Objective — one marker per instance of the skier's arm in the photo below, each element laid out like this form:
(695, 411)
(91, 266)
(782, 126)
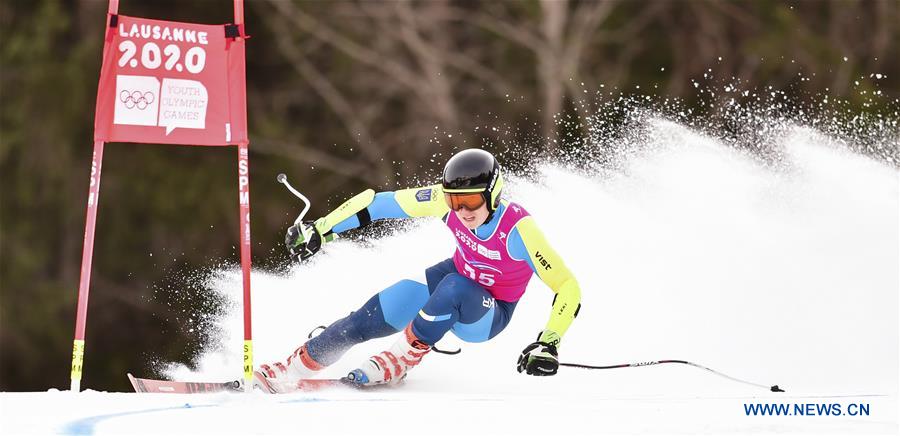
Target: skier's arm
(527, 242)
(369, 206)
(362, 209)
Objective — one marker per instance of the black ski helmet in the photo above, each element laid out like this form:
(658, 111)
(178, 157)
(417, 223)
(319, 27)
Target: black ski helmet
(474, 170)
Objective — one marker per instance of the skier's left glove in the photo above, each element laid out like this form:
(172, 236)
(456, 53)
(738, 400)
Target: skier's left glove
(540, 357)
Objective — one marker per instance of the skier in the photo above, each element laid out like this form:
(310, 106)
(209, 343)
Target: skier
(473, 294)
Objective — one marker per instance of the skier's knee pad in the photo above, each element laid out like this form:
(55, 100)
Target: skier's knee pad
(401, 302)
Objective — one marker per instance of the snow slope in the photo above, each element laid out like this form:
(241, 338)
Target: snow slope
(692, 250)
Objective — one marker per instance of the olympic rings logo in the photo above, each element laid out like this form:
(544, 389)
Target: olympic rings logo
(138, 99)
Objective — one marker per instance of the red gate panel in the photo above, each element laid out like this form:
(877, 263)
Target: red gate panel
(166, 82)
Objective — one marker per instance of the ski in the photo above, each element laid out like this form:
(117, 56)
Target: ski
(145, 385)
(307, 385)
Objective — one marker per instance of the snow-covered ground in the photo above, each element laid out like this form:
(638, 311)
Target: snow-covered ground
(523, 408)
(693, 251)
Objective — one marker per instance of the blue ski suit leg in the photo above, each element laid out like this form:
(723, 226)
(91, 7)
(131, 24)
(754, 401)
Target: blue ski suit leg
(449, 302)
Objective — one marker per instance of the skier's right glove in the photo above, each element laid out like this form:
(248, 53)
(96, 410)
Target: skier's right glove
(299, 245)
(540, 357)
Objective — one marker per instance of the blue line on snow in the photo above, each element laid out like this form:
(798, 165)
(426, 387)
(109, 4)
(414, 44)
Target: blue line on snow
(85, 426)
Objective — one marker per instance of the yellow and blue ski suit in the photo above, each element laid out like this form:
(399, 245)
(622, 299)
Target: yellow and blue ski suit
(466, 294)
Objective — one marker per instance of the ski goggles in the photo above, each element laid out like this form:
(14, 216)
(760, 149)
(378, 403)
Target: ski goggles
(468, 200)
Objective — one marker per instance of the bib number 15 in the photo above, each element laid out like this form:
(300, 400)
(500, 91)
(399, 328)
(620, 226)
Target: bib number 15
(482, 278)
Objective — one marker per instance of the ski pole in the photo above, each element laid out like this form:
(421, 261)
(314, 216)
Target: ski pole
(281, 178)
(773, 388)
